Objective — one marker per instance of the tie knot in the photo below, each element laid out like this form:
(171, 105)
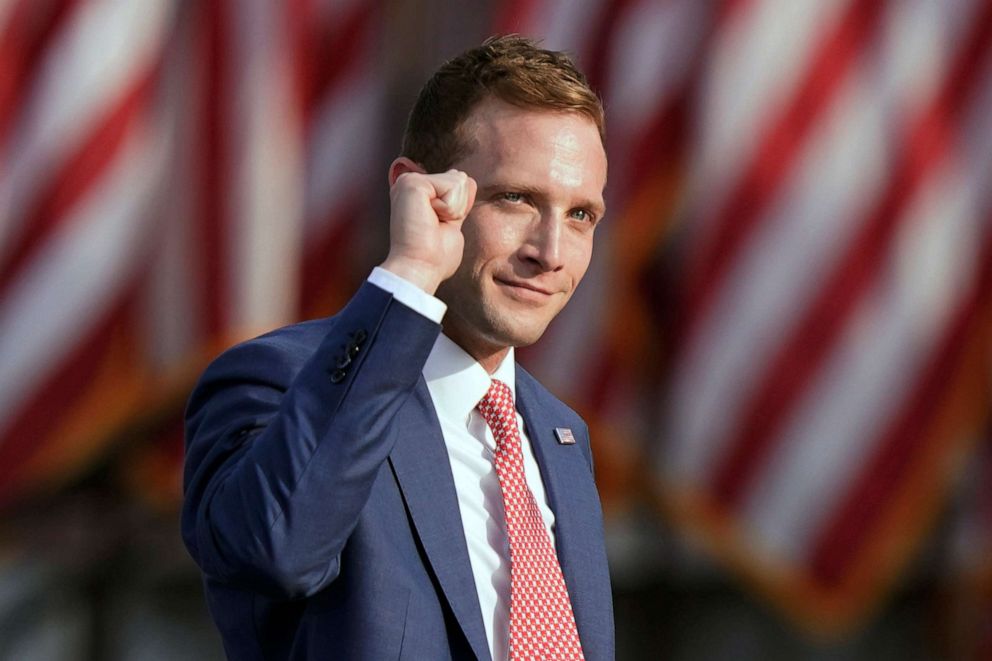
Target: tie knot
(497, 405)
(498, 392)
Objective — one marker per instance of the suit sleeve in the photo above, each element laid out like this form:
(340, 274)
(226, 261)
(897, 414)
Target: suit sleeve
(284, 442)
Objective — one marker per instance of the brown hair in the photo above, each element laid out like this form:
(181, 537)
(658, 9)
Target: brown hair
(512, 69)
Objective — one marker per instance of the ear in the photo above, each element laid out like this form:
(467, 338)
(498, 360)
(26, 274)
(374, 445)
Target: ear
(403, 165)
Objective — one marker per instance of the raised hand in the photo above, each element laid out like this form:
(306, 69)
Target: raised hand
(425, 223)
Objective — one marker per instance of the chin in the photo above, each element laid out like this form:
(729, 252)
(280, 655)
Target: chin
(512, 334)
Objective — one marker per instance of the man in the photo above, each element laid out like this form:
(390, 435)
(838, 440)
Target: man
(366, 487)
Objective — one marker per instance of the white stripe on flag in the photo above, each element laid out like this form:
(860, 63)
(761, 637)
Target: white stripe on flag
(565, 24)
(267, 185)
(342, 163)
(173, 322)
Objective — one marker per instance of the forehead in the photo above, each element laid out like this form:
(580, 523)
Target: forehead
(498, 134)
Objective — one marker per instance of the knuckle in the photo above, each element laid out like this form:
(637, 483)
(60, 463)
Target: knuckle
(410, 179)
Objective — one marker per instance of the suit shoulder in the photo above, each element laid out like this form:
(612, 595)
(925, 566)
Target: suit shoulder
(291, 345)
(303, 337)
(548, 399)
(271, 360)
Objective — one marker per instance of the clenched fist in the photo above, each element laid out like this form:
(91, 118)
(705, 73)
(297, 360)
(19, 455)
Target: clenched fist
(425, 223)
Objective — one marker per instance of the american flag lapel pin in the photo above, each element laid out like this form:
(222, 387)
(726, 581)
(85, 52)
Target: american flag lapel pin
(564, 436)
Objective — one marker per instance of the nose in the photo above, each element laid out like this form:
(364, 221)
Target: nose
(543, 244)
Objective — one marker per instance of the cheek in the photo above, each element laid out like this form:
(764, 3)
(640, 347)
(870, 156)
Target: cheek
(490, 238)
(507, 236)
(578, 257)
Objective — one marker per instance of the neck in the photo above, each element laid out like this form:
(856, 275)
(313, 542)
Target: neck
(492, 361)
(488, 355)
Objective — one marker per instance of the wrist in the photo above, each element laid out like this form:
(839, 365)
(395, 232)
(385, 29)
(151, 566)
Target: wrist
(416, 272)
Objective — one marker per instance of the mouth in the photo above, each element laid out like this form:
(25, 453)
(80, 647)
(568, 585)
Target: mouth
(525, 290)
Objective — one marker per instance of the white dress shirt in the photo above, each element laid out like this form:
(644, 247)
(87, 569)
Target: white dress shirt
(457, 382)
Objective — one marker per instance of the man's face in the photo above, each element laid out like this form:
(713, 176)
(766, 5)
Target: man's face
(529, 237)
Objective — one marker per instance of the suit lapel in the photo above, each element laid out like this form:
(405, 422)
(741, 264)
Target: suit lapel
(573, 498)
(420, 463)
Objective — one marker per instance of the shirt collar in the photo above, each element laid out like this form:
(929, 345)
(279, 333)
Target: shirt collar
(457, 381)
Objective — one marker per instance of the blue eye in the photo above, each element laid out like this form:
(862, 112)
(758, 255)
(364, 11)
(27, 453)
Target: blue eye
(582, 214)
(512, 197)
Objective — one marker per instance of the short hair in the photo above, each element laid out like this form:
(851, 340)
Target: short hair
(510, 68)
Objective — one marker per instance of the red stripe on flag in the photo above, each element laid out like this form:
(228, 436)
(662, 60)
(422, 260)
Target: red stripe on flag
(336, 48)
(597, 55)
(776, 157)
(327, 260)
(822, 325)
(728, 10)
(79, 173)
(300, 19)
(662, 142)
(517, 16)
(845, 536)
(23, 42)
(217, 95)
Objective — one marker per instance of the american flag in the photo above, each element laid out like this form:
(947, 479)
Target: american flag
(174, 176)
(83, 153)
(822, 274)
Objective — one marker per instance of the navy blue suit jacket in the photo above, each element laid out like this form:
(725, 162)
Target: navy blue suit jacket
(320, 506)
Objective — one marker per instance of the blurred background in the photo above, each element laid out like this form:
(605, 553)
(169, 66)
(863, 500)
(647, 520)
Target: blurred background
(783, 345)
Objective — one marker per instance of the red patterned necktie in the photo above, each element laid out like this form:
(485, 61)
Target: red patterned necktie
(542, 625)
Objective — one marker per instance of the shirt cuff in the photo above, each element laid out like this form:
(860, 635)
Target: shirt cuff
(409, 294)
